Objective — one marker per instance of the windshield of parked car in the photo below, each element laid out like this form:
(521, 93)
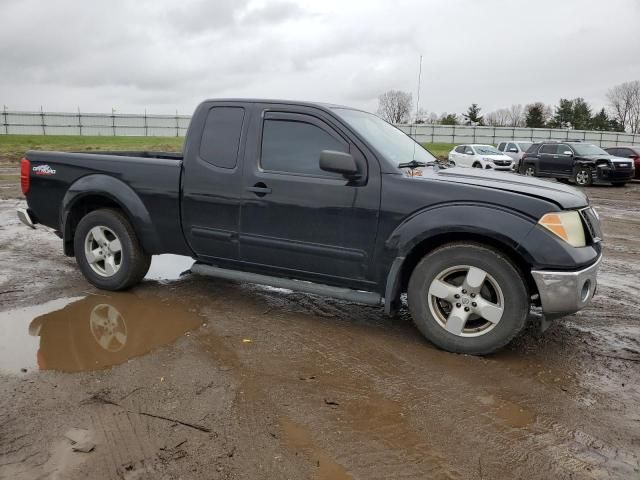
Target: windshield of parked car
(524, 145)
(393, 144)
(587, 149)
(486, 150)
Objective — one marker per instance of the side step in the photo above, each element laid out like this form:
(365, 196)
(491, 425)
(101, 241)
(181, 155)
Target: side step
(358, 296)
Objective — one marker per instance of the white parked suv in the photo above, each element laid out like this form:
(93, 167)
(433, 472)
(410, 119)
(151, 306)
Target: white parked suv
(514, 149)
(480, 156)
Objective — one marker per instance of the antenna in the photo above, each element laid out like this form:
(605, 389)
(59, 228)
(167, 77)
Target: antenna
(418, 92)
(415, 124)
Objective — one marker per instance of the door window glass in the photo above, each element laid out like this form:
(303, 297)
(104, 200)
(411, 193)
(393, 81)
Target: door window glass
(510, 146)
(562, 148)
(294, 147)
(501, 146)
(460, 149)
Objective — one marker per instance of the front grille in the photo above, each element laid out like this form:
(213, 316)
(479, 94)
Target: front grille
(502, 163)
(590, 219)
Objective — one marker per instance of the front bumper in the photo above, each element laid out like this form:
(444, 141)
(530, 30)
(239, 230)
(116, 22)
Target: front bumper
(608, 174)
(563, 293)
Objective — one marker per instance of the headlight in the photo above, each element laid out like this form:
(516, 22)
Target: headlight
(566, 225)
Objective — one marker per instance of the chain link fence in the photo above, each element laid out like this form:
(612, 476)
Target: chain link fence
(118, 124)
(493, 135)
(92, 124)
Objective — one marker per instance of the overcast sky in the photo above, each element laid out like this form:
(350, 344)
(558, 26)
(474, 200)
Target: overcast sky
(168, 55)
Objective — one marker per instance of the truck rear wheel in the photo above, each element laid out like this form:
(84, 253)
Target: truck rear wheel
(108, 251)
(468, 298)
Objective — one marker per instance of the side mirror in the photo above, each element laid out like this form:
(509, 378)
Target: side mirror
(338, 162)
(567, 152)
(513, 150)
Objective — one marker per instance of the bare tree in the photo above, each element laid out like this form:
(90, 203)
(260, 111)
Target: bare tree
(624, 104)
(499, 118)
(395, 106)
(515, 115)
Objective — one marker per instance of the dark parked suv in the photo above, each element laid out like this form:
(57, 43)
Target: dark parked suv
(630, 151)
(583, 163)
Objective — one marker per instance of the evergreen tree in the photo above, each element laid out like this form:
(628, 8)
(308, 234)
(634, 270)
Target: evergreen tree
(563, 117)
(449, 119)
(473, 115)
(581, 115)
(535, 115)
(601, 121)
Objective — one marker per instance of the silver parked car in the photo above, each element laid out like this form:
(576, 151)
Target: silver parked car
(514, 149)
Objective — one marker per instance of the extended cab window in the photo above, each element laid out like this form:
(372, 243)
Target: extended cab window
(294, 147)
(221, 136)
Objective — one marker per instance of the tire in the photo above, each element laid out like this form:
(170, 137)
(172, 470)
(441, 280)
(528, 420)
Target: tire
(583, 177)
(97, 254)
(503, 288)
(529, 170)
(619, 184)
(477, 165)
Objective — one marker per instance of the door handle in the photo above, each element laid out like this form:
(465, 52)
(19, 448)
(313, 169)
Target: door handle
(260, 189)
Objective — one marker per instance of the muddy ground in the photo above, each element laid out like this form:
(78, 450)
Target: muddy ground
(189, 377)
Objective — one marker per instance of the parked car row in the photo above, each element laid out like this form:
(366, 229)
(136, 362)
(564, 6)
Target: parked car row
(576, 161)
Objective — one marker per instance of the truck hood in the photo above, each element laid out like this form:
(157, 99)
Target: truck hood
(564, 195)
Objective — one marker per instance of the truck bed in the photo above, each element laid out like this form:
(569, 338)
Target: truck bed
(151, 177)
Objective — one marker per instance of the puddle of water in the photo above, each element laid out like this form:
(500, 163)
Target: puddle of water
(168, 267)
(514, 415)
(90, 333)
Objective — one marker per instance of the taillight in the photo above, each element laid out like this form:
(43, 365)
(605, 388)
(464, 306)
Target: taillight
(25, 170)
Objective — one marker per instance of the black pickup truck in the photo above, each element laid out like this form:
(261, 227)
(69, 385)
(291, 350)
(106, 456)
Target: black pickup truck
(582, 163)
(328, 200)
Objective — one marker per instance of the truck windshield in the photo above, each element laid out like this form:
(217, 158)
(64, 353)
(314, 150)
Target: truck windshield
(394, 145)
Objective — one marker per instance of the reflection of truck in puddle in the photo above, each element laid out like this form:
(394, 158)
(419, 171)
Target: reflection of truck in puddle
(100, 331)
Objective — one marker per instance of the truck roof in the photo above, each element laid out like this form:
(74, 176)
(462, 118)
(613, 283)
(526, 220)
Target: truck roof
(323, 105)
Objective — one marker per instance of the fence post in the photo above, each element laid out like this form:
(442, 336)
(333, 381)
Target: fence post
(474, 134)
(433, 131)
(177, 125)
(44, 130)
(146, 128)
(113, 120)
(6, 121)
(79, 121)
(453, 135)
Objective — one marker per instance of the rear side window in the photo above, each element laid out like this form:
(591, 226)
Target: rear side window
(294, 147)
(460, 149)
(221, 136)
(501, 147)
(549, 148)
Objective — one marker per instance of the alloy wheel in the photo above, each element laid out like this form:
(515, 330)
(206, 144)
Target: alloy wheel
(466, 301)
(103, 251)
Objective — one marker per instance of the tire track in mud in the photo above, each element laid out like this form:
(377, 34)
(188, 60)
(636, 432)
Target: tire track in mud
(572, 451)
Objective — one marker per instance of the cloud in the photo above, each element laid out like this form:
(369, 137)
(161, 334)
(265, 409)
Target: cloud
(165, 55)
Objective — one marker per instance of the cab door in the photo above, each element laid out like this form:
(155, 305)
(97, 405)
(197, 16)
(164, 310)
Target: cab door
(212, 180)
(296, 217)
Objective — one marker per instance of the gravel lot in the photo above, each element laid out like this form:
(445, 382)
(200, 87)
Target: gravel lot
(189, 377)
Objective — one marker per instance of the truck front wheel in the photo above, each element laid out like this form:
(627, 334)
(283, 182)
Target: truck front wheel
(108, 251)
(468, 298)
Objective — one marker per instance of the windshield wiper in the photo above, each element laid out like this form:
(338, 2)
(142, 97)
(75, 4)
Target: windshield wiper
(415, 164)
